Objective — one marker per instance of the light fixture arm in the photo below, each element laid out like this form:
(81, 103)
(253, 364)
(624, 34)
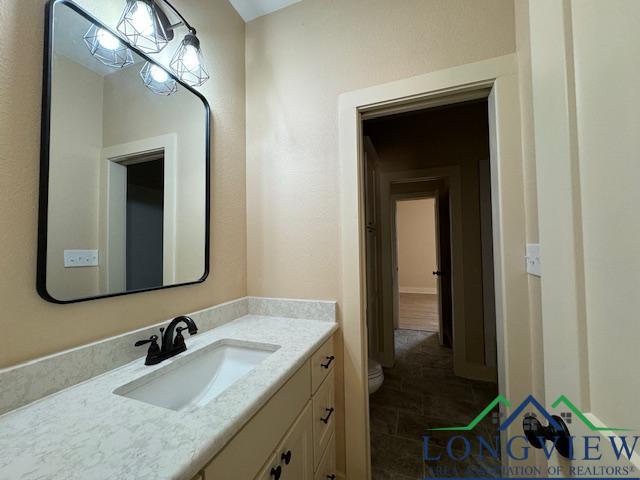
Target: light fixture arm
(182, 22)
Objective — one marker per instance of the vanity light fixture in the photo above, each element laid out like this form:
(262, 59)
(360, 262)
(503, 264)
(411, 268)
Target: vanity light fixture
(158, 80)
(188, 64)
(107, 48)
(145, 24)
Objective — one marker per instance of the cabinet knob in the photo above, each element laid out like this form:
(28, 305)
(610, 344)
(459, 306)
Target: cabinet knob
(286, 457)
(276, 472)
(331, 477)
(326, 418)
(329, 360)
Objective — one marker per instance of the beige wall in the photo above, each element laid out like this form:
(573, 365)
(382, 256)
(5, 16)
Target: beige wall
(605, 40)
(76, 146)
(39, 327)
(416, 237)
(299, 60)
(584, 108)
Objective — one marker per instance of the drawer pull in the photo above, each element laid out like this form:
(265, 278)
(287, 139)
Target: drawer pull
(286, 457)
(332, 476)
(276, 472)
(326, 419)
(330, 359)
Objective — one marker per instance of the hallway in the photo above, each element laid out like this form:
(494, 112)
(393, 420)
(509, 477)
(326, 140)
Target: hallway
(421, 392)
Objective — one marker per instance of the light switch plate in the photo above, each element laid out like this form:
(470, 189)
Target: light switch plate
(80, 258)
(534, 266)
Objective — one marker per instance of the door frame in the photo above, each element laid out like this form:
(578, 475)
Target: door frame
(498, 76)
(113, 174)
(388, 245)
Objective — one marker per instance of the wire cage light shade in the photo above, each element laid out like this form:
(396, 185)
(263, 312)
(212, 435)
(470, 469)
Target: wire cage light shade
(188, 63)
(158, 80)
(107, 48)
(140, 23)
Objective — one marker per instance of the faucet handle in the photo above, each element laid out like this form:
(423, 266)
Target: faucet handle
(153, 340)
(178, 342)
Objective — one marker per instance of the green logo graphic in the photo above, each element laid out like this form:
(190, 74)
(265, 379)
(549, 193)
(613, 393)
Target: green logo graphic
(531, 401)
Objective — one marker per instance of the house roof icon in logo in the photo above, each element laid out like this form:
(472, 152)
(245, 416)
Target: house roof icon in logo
(529, 401)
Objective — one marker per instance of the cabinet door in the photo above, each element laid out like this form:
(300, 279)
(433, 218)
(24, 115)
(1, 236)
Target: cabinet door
(293, 459)
(296, 450)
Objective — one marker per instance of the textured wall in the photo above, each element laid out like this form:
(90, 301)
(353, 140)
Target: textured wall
(34, 327)
(299, 60)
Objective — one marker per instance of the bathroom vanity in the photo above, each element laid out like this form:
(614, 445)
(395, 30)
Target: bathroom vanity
(251, 398)
(292, 436)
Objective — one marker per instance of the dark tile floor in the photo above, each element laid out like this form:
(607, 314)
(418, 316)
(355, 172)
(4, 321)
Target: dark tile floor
(418, 393)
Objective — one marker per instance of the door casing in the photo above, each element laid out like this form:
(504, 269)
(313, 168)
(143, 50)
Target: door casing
(496, 79)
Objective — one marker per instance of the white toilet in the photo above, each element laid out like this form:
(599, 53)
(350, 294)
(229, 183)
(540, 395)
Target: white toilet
(376, 376)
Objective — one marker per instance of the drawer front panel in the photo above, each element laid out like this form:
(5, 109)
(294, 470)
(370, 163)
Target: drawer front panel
(327, 468)
(324, 414)
(322, 363)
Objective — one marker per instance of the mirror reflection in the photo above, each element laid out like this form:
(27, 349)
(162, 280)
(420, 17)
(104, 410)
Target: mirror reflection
(127, 199)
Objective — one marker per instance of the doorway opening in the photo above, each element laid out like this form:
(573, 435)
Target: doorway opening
(144, 224)
(430, 300)
(416, 265)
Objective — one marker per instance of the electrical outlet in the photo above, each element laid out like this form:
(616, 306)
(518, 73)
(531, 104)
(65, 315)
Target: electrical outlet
(534, 266)
(80, 258)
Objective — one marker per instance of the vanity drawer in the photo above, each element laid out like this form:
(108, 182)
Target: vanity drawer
(322, 363)
(327, 468)
(324, 414)
(243, 456)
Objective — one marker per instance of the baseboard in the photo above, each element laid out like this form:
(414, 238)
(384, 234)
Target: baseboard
(423, 290)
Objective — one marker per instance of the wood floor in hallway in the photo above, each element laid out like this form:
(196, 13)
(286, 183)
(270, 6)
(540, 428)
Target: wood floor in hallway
(418, 311)
(421, 392)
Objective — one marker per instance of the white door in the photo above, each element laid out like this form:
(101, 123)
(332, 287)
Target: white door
(585, 74)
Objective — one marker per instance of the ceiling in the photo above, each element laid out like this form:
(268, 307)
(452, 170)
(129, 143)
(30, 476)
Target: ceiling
(252, 9)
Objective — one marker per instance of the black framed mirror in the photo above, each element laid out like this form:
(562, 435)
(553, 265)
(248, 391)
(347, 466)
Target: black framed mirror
(125, 167)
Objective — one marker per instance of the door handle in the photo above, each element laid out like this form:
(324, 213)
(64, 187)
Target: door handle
(537, 434)
(437, 273)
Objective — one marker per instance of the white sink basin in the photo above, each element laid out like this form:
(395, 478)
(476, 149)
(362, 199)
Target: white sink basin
(194, 379)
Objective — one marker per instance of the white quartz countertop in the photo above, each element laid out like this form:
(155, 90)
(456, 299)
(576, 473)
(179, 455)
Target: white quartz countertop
(88, 432)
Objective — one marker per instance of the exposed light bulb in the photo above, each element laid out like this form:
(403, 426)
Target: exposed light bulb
(107, 40)
(158, 74)
(142, 18)
(191, 59)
